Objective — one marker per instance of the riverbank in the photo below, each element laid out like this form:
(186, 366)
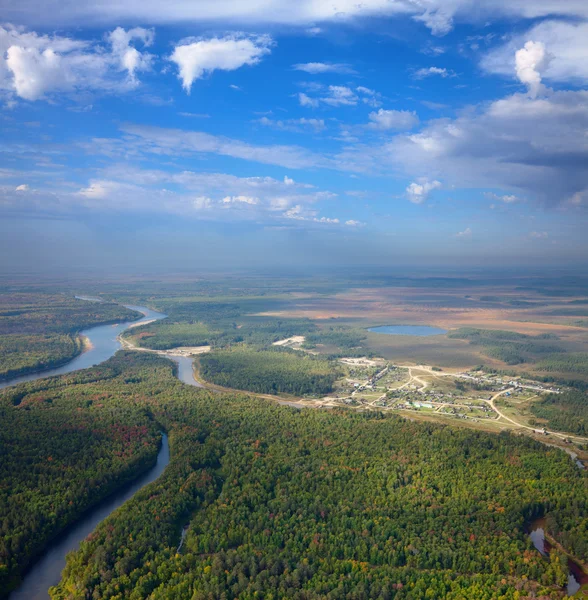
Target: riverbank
(46, 571)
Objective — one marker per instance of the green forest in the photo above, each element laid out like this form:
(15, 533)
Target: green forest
(269, 371)
(510, 347)
(39, 331)
(279, 502)
(564, 412)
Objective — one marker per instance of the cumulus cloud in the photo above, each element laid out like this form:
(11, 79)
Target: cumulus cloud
(130, 59)
(34, 66)
(438, 21)
(340, 95)
(240, 200)
(530, 61)
(431, 71)
(537, 146)
(196, 58)
(316, 68)
(393, 119)
(23, 187)
(565, 42)
(418, 191)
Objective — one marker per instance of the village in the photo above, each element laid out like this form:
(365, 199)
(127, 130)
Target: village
(373, 383)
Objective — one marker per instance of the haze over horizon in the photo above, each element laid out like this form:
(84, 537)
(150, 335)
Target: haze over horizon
(228, 134)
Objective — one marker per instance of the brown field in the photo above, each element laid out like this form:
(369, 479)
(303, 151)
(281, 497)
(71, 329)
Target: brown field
(525, 312)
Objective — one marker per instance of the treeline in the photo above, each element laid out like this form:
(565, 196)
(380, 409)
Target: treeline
(281, 502)
(564, 412)
(509, 347)
(163, 335)
(269, 371)
(40, 331)
(572, 362)
(228, 321)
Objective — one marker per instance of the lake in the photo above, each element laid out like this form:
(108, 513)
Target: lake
(418, 330)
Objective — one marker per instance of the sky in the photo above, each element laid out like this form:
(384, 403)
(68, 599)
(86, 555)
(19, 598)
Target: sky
(143, 135)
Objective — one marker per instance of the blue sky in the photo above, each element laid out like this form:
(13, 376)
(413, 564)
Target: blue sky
(269, 132)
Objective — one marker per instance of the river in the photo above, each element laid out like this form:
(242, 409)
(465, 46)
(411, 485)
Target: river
(104, 343)
(576, 576)
(46, 572)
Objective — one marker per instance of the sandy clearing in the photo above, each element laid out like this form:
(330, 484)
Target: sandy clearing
(295, 339)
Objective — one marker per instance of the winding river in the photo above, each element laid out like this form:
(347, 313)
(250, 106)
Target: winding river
(103, 343)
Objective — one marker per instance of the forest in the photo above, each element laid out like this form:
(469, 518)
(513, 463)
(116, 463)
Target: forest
(269, 371)
(279, 502)
(564, 412)
(39, 330)
(509, 347)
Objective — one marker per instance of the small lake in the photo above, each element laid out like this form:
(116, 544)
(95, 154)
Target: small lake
(417, 330)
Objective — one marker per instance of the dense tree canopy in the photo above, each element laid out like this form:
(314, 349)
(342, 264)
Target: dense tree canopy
(39, 331)
(269, 372)
(282, 502)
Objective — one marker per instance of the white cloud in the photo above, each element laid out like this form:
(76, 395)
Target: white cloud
(141, 140)
(393, 119)
(429, 71)
(315, 68)
(298, 213)
(296, 125)
(339, 95)
(198, 57)
(130, 59)
(530, 61)
(307, 101)
(122, 188)
(23, 187)
(437, 15)
(465, 234)
(34, 66)
(418, 192)
(535, 146)
(240, 200)
(506, 198)
(353, 223)
(566, 44)
(438, 21)
(539, 235)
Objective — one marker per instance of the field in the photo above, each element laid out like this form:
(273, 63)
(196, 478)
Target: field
(402, 422)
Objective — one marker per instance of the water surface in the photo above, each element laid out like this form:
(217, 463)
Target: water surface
(576, 577)
(418, 330)
(103, 344)
(186, 370)
(46, 572)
